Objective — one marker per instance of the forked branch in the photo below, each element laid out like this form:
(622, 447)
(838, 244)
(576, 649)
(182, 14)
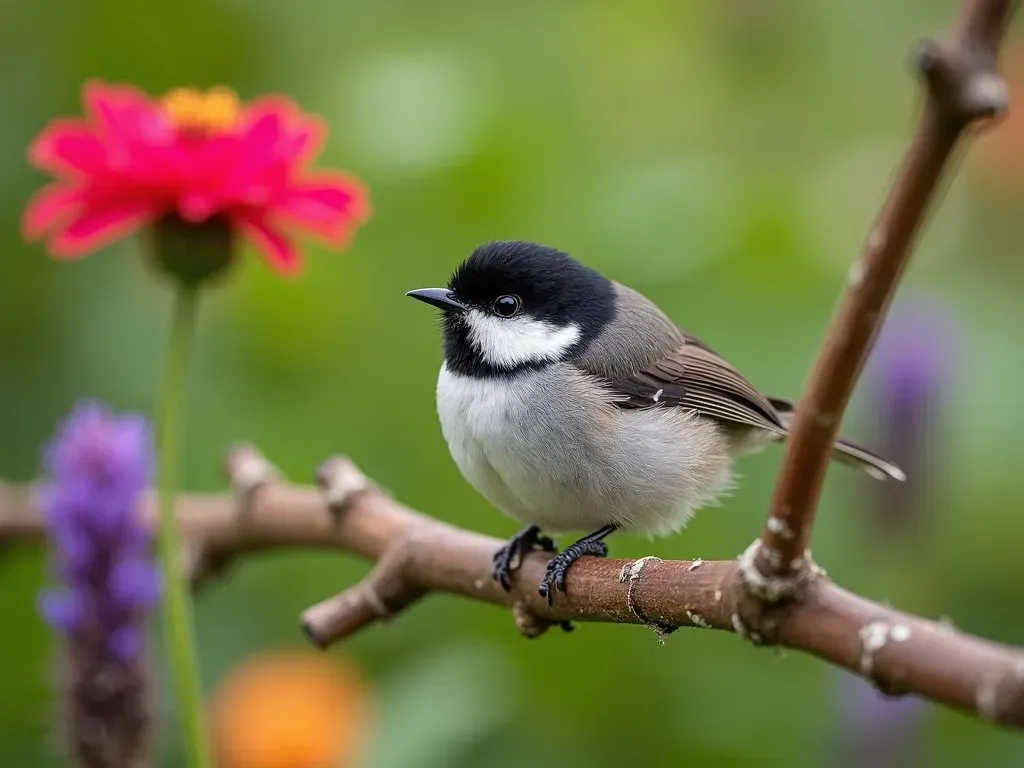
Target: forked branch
(415, 555)
(962, 86)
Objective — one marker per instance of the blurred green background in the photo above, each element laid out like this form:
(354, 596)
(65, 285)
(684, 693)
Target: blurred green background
(725, 158)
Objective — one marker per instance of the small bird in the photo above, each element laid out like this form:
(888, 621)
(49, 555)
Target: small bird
(571, 402)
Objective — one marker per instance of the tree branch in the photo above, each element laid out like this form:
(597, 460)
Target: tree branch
(416, 555)
(962, 86)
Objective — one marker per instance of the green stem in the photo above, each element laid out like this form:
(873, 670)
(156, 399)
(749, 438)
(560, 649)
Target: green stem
(178, 625)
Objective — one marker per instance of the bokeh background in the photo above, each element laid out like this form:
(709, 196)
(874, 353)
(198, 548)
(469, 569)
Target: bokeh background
(723, 157)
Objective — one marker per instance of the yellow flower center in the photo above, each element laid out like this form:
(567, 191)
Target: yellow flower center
(210, 112)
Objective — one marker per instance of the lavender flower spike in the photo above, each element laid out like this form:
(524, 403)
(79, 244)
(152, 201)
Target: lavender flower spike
(98, 467)
(911, 371)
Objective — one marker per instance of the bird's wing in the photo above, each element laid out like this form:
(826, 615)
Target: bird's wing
(695, 377)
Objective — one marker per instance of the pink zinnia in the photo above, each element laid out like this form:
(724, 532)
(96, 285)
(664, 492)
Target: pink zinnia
(192, 157)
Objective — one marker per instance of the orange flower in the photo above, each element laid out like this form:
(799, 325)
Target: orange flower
(289, 710)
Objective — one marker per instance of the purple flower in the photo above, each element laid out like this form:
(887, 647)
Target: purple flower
(98, 468)
(910, 370)
(909, 374)
(878, 730)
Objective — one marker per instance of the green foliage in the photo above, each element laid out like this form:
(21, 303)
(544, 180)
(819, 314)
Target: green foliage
(724, 158)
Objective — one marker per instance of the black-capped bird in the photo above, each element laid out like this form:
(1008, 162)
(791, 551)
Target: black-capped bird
(572, 403)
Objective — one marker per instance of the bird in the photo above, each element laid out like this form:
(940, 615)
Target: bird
(571, 402)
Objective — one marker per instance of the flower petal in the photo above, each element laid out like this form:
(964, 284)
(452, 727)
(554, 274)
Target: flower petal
(326, 205)
(60, 609)
(255, 157)
(114, 107)
(97, 226)
(126, 642)
(134, 583)
(68, 147)
(274, 134)
(304, 141)
(278, 250)
(280, 109)
(126, 118)
(262, 126)
(48, 208)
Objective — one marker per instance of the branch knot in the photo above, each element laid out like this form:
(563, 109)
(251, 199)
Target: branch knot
(341, 482)
(388, 589)
(248, 471)
(530, 625)
(769, 587)
(962, 81)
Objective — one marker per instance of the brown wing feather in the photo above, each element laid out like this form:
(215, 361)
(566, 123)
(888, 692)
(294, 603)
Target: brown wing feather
(696, 377)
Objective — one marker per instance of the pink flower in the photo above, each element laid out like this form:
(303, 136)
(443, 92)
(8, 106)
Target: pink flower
(190, 157)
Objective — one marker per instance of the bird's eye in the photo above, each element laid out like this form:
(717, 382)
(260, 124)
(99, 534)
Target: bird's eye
(506, 306)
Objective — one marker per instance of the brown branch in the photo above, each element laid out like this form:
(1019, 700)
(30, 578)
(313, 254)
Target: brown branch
(416, 555)
(962, 86)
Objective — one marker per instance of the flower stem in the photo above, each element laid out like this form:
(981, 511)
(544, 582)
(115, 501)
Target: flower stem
(178, 625)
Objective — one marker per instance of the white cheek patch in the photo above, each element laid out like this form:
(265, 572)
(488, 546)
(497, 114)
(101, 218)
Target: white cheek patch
(506, 342)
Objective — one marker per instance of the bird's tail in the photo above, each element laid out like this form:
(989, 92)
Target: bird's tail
(846, 451)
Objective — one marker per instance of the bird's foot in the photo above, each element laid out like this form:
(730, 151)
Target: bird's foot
(559, 565)
(508, 559)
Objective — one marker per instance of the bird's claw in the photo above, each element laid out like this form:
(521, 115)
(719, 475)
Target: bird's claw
(558, 566)
(507, 560)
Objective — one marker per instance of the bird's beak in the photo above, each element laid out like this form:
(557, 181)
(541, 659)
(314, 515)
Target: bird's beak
(441, 298)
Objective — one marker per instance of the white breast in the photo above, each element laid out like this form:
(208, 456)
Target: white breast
(476, 422)
(547, 449)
